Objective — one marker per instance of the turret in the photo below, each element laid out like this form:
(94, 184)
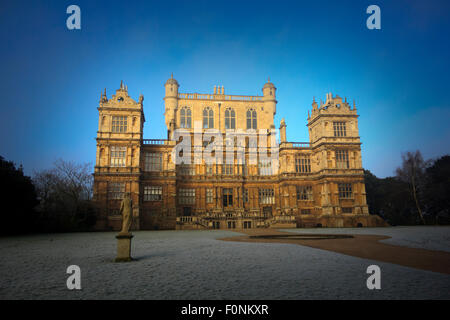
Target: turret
(171, 100)
(269, 98)
(334, 119)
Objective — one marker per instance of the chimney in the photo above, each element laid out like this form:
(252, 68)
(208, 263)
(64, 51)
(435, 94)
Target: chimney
(282, 131)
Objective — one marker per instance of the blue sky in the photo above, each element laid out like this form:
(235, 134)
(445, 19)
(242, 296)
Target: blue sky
(52, 77)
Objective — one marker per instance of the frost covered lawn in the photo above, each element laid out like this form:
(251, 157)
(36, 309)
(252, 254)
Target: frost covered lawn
(195, 265)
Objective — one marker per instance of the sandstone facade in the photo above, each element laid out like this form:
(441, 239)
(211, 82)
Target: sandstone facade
(303, 184)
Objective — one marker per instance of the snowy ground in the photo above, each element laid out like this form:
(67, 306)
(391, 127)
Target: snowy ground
(194, 265)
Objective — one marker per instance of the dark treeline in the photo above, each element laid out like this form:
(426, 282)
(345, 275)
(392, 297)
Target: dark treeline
(59, 199)
(54, 200)
(417, 194)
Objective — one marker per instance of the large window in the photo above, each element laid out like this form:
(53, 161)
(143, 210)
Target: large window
(118, 156)
(265, 168)
(116, 190)
(153, 161)
(152, 193)
(209, 169)
(339, 129)
(227, 169)
(342, 159)
(186, 196)
(251, 119)
(266, 196)
(208, 118)
(227, 194)
(185, 117)
(230, 119)
(345, 191)
(304, 193)
(209, 195)
(303, 164)
(231, 224)
(119, 124)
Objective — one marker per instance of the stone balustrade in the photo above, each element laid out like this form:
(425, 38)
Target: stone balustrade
(201, 96)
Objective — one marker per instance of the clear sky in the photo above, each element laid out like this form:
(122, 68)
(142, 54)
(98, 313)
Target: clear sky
(51, 77)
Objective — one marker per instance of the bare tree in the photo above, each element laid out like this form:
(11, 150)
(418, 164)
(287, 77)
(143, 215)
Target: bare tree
(413, 173)
(65, 192)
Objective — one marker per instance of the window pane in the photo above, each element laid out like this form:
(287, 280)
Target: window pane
(186, 196)
(152, 193)
(118, 156)
(119, 124)
(116, 190)
(153, 161)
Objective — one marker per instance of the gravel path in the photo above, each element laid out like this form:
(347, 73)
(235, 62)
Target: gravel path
(425, 237)
(194, 265)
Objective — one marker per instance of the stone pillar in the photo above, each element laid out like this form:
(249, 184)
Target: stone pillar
(124, 247)
(326, 204)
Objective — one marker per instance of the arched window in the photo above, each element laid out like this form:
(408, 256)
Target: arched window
(185, 118)
(230, 119)
(251, 119)
(208, 118)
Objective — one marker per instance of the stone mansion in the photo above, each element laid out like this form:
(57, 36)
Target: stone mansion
(319, 183)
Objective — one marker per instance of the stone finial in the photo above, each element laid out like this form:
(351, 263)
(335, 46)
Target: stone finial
(103, 97)
(215, 89)
(314, 103)
(282, 130)
(223, 90)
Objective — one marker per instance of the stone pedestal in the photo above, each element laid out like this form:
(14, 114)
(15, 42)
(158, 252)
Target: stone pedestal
(124, 247)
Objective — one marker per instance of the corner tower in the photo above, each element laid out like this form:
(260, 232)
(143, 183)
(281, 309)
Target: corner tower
(171, 104)
(117, 167)
(334, 137)
(270, 102)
